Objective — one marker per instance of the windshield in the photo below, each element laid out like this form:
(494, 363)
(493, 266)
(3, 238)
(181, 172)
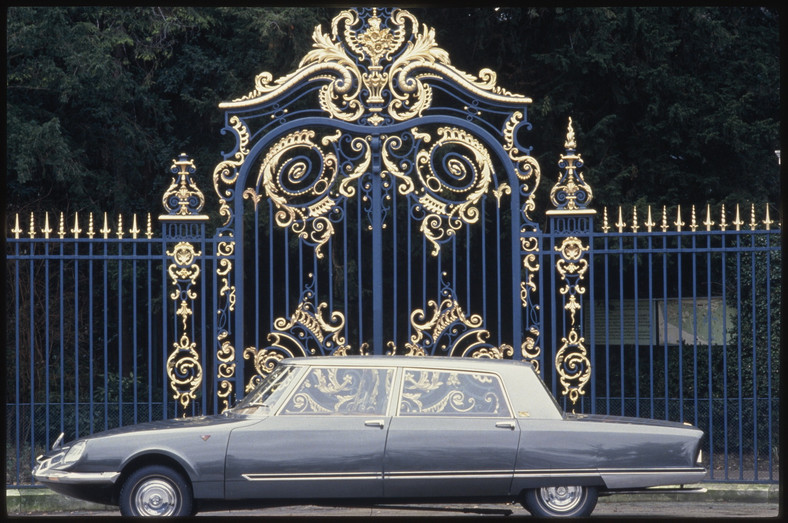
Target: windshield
(268, 390)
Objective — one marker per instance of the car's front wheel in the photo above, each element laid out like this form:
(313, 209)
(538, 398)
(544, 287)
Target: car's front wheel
(156, 490)
(563, 501)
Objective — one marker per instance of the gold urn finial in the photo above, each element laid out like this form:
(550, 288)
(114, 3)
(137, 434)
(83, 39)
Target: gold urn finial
(570, 137)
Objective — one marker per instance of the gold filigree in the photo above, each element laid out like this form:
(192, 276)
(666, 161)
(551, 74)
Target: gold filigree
(183, 365)
(184, 371)
(226, 172)
(351, 94)
(449, 331)
(300, 193)
(530, 351)
(573, 366)
(463, 179)
(291, 337)
(184, 269)
(225, 370)
(264, 362)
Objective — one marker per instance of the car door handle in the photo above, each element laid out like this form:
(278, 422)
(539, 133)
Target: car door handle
(375, 423)
(505, 425)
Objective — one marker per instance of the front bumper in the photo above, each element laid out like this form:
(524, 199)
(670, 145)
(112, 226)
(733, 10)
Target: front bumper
(98, 487)
(75, 478)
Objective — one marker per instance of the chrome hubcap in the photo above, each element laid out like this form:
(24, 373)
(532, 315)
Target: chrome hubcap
(562, 499)
(156, 497)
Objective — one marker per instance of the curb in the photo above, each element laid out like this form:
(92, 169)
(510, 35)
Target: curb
(40, 499)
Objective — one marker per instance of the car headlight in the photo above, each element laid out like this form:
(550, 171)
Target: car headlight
(75, 452)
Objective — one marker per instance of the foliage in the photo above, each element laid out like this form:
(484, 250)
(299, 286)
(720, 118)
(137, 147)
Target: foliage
(671, 104)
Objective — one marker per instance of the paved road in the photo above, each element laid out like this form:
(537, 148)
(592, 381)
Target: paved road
(624, 510)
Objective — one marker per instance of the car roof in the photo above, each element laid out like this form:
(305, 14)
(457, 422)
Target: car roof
(438, 362)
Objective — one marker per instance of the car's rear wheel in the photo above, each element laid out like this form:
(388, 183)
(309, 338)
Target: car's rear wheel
(562, 501)
(156, 490)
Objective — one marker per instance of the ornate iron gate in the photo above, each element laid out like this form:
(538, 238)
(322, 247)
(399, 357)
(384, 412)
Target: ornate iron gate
(377, 201)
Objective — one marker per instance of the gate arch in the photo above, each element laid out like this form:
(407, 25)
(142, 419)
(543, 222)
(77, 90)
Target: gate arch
(385, 198)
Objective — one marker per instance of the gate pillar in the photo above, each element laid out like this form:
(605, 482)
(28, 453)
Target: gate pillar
(571, 225)
(182, 227)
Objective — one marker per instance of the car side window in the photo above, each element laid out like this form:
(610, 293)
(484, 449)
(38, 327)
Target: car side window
(337, 390)
(452, 393)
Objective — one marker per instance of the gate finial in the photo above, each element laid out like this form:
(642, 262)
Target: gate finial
(571, 192)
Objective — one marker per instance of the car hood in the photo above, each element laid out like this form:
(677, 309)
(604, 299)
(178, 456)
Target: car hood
(603, 418)
(197, 422)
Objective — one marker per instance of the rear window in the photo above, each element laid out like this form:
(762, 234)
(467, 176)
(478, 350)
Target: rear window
(452, 393)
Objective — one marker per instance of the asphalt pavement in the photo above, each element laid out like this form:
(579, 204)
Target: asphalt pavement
(609, 510)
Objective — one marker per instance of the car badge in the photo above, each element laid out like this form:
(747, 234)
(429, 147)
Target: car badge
(205, 437)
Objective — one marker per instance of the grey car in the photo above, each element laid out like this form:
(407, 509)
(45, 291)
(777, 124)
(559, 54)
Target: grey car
(375, 429)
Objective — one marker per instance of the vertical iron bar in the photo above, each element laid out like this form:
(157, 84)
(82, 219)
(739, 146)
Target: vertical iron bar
(17, 362)
(651, 331)
(665, 320)
(134, 325)
(484, 261)
(165, 320)
(607, 326)
(46, 342)
(739, 353)
(61, 293)
(680, 321)
(695, 328)
(636, 297)
(498, 269)
(377, 248)
(271, 291)
(725, 352)
(31, 333)
(105, 312)
(345, 296)
(149, 314)
(257, 324)
(769, 349)
(754, 358)
(90, 337)
(710, 431)
(592, 313)
(76, 339)
(621, 306)
(120, 333)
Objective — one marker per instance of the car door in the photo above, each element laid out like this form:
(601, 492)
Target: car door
(326, 441)
(453, 435)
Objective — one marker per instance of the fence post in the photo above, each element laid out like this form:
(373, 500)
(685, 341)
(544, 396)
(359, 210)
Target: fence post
(182, 227)
(571, 225)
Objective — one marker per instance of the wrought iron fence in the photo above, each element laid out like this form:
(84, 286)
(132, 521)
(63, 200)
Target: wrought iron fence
(680, 322)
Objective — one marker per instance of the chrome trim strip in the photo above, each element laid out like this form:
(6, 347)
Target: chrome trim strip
(449, 475)
(312, 476)
(587, 472)
(59, 476)
(438, 474)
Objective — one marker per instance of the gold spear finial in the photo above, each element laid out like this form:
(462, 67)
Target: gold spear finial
(47, 229)
(76, 230)
(17, 230)
(106, 230)
(650, 223)
(738, 222)
(708, 222)
(134, 229)
(767, 222)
